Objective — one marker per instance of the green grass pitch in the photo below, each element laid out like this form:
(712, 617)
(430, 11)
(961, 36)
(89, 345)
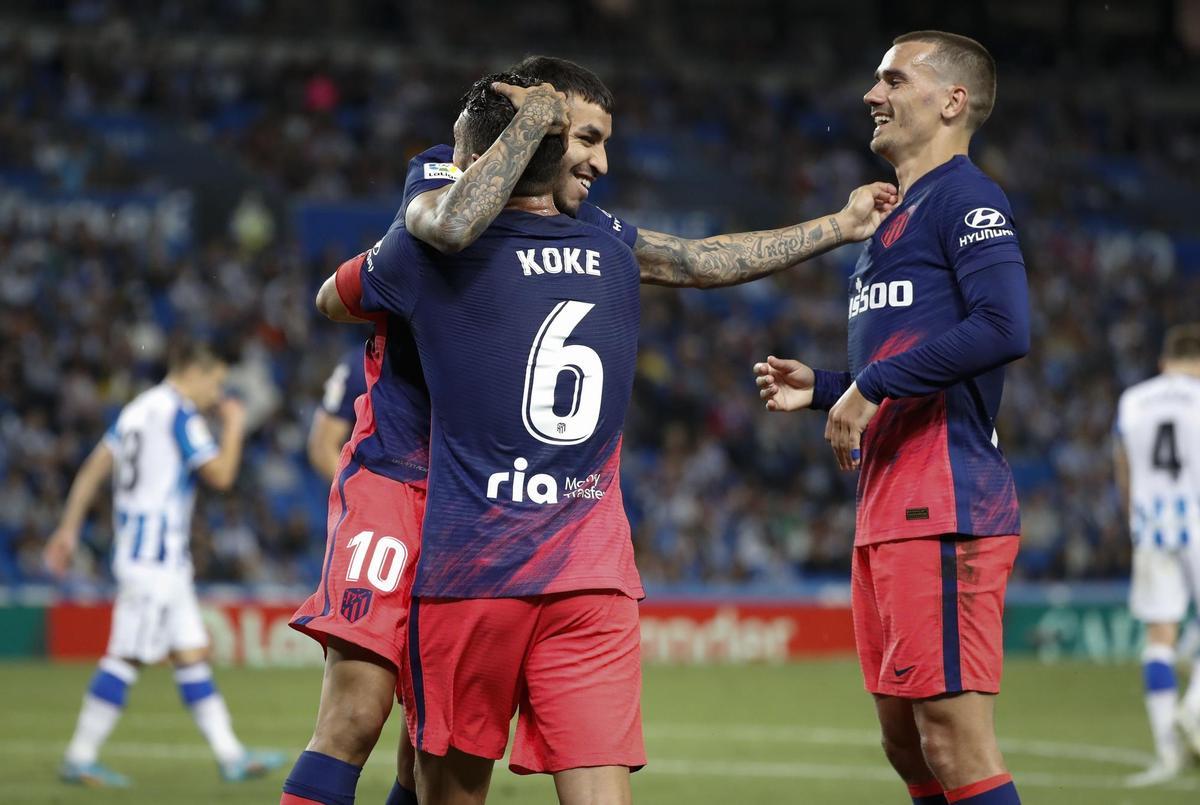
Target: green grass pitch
(800, 733)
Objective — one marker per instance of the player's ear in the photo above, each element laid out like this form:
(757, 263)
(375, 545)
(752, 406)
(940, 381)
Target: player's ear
(956, 103)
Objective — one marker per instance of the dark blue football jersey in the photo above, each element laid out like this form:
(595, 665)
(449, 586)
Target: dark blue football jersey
(932, 464)
(528, 339)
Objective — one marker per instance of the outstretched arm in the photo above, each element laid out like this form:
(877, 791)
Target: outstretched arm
(62, 543)
(732, 259)
(451, 219)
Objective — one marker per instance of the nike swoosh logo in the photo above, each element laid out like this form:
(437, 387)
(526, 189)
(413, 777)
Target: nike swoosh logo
(902, 671)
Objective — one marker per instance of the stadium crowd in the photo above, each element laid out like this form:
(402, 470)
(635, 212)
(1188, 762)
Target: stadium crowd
(718, 490)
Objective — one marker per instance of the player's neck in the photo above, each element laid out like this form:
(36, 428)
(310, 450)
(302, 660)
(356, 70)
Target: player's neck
(932, 155)
(1189, 368)
(538, 205)
(180, 386)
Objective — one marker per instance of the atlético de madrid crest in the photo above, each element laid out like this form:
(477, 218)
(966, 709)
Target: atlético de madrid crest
(894, 229)
(356, 602)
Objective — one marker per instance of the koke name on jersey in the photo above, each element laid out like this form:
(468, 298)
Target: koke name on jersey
(559, 260)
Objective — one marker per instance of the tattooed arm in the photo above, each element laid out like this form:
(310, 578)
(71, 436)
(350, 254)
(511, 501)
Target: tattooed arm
(450, 219)
(732, 259)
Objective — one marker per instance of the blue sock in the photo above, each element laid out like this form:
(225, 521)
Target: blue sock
(322, 778)
(401, 796)
(928, 793)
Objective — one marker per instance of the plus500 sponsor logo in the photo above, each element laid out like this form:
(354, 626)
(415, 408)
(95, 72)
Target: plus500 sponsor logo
(898, 293)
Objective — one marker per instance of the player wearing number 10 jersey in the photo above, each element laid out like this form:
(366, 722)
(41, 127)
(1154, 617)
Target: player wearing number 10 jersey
(1157, 455)
(526, 589)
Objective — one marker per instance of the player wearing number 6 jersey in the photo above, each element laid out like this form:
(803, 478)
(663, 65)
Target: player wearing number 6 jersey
(156, 448)
(526, 589)
(1157, 457)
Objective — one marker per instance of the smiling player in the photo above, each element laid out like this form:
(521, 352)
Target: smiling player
(938, 306)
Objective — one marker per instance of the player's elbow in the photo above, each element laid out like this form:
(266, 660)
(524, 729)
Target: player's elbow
(445, 236)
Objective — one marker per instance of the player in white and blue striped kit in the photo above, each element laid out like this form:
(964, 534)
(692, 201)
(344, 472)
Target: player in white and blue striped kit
(155, 450)
(1157, 456)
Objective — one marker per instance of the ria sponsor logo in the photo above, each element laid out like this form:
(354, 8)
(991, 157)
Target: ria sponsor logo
(990, 223)
(897, 293)
(519, 486)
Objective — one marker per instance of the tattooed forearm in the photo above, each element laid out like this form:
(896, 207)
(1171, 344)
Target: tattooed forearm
(730, 259)
(469, 206)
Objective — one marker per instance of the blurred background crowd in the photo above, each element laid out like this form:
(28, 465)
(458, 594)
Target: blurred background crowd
(206, 179)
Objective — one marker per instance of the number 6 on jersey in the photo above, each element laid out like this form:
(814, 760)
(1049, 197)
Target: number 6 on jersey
(549, 357)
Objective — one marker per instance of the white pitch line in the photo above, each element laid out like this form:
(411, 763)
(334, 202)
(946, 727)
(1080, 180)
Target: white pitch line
(665, 766)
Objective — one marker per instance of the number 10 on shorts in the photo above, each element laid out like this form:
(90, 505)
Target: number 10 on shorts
(388, 552)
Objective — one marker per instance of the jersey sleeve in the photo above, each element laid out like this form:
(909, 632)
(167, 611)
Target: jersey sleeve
(976, 227)
(390, 277)
(346, 383)
(195, 440)
(429, 170)
(603, 219)
(112, 439)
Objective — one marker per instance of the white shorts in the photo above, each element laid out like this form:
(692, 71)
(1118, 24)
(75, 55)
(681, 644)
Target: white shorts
(1165, 581)
(155, 613)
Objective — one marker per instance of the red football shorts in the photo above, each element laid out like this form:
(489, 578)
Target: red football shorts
(928, 614)
(370, 556)
(569, 663)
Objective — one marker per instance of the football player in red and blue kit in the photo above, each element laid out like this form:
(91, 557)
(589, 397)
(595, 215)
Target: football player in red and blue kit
(450, 221)
(938, 305)
(526, 591)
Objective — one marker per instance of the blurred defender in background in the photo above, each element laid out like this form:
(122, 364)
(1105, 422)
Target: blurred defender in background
(1157, 456)
(155, 450)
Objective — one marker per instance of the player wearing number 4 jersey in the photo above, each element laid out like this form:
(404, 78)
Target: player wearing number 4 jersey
(155, 449)
(1157, 456)
(938, 305)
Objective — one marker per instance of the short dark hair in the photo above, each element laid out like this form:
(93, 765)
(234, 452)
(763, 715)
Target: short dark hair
(185, 351)
(964, 61)
(1182, 342)
(486, 113)
(568, 78)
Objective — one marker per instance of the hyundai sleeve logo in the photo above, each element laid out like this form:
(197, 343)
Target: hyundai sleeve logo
(984, 218)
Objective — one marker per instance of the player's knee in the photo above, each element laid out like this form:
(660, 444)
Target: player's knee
(937, 747)
(349, 730)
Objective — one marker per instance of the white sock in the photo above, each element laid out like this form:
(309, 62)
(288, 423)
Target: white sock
(1191, 699)
(102, 707)
(1162, 697)
(208, 708)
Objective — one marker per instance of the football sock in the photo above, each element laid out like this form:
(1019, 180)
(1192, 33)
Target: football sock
(1158, 670)
(1191, 699)
(998, 790)
(102, 706)
(401, 796)
(208, 708)
(320, 778)
(929, 793)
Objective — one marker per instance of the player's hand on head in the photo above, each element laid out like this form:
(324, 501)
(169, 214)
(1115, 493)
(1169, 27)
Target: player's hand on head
(844, 427)
(784, 384)
(58, 551)
(541, 101)
(867, 207)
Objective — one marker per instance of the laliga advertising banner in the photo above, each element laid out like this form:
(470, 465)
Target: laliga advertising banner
(684, 632)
